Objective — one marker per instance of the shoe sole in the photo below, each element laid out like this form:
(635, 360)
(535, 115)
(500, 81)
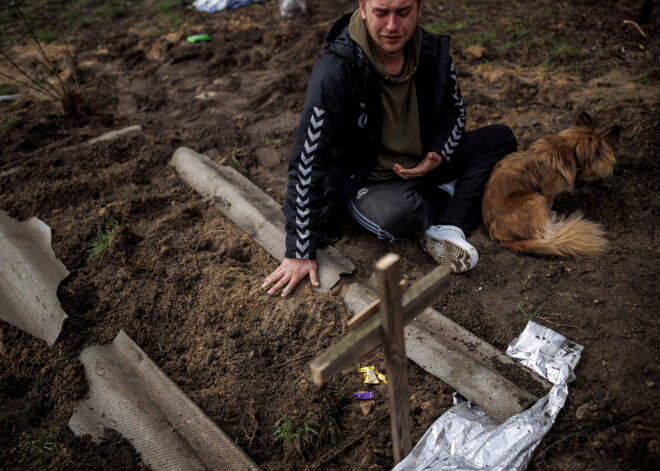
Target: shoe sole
(450, 255)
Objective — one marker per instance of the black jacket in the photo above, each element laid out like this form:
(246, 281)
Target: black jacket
(340, 131)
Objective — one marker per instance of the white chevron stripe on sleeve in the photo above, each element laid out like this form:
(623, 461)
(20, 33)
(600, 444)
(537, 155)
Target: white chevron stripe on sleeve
(313, 137)
(316, 124)
(309, 148)
(304, 170)
(306, 160)
(305, 179)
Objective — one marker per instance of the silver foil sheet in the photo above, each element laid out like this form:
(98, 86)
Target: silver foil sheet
(466, 439)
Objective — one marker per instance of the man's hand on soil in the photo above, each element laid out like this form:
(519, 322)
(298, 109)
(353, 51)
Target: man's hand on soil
(290, 272)
(431, 161)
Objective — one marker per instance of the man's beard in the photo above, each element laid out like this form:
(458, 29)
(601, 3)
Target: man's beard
(391, 52)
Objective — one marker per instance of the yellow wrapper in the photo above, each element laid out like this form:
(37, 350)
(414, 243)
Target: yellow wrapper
(369, 375)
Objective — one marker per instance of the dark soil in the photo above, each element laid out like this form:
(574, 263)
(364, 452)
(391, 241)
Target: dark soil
(184, 283)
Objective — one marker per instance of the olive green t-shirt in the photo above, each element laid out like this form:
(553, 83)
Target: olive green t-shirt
(401, 142)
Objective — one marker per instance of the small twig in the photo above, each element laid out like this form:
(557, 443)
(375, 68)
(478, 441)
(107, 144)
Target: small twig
(279, 357)
(52, 69)
(639, 28)
(255, 423)
(37, 86)
(349, 444)
(558, 324)
(284, 350)
(197, 248)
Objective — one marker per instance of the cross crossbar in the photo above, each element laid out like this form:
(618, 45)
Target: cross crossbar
(369, 335)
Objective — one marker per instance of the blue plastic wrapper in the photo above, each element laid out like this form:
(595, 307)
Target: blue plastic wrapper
(211, 6)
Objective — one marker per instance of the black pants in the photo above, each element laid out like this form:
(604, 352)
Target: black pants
(398, 209)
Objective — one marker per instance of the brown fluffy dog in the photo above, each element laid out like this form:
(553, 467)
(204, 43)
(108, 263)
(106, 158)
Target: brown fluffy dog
(517, 206)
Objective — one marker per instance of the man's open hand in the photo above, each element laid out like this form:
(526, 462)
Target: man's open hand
(290, 272)
(431, 161)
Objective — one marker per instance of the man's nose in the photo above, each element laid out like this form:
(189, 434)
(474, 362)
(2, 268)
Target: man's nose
(392, 23)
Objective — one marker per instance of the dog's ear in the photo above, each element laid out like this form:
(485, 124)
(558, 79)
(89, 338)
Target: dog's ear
(584, 121)
(611, 136)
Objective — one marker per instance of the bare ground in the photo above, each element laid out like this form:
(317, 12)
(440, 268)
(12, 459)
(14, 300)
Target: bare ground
(184, 283)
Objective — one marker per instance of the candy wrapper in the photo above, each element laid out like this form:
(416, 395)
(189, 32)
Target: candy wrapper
(370, 375)
(364, 395)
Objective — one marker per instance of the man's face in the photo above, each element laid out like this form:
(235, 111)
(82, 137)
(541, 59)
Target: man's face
(391, 23)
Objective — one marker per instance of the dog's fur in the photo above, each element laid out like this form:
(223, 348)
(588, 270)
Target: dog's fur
(517, 206)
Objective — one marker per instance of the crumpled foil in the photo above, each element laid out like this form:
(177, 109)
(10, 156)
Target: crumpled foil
(466, 439)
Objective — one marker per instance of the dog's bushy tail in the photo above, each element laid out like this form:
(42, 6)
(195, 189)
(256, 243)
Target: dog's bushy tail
(569, 237)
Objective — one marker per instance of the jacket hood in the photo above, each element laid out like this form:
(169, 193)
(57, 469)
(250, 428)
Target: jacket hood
(339, 42)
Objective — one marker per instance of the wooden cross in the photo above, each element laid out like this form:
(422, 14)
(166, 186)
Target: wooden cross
(369, 331)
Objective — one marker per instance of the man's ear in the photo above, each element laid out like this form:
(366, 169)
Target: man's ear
(419, 12)
(362, 12)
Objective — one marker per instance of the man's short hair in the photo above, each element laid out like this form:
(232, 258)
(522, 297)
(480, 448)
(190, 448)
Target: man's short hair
(418, 1)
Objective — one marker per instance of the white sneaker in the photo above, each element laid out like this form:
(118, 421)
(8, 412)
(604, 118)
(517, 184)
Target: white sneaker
(448, 247)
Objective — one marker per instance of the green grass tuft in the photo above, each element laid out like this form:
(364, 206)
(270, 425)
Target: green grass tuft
(105, 240)
(530, 315)
(8, 89)
(301, 435)
(40, 449)
(171, 10)
(7, 124)
(643, 78)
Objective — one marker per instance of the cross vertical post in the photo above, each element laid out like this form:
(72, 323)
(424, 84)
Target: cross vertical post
(391, 312)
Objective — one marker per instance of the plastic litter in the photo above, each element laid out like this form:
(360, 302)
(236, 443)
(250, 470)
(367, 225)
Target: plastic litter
(370, 375)
(196, 38)
(382, 377)
(211, 6)
(13, 97)
(465, 438)
(291, 8)
(364, 395)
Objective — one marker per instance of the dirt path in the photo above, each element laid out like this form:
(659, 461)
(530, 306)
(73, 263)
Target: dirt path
(184, 283)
